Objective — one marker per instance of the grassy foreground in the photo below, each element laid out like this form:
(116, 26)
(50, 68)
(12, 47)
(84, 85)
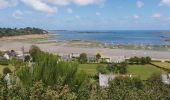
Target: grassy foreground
(143, 71)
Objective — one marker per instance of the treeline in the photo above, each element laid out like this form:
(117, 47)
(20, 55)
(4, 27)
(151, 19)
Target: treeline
(139, 60)
(20, 31)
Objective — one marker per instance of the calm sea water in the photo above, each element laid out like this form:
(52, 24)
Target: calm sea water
(117, 37)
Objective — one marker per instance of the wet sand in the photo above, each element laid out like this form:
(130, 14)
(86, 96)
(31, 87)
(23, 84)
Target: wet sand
(63, 48)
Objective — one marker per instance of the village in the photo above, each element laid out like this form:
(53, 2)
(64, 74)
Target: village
(88, 60)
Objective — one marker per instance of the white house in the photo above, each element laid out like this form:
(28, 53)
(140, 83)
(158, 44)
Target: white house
(104, 79)
(165, 78)
(6, 56)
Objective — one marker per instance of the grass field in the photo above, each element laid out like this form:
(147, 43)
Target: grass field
(162, 64)
(89, 68)
(2, 67)
(143, 71)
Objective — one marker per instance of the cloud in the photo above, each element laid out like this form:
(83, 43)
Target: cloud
(18, 14)
(39, 5)
(136, 16)
(89, 2)
(157, 15)
(69, 10)
(77, 2)
(165, 2)
(139, 4)
(77, 17)
(98, 13)
(60, 2)
(7, 3)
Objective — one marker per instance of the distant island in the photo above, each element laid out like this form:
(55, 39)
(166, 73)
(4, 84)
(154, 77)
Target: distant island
(5, 32)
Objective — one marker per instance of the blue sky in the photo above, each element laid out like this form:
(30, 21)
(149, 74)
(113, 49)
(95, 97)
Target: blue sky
(86, 14)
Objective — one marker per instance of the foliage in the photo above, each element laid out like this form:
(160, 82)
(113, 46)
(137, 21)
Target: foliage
(83, 58)
(101, 69)
(6, 70)
(120, 68)
(4, 62)
(98, 56)
(34, 52)
(138, 60)
(21, 31)
(27, 58)
(1, 53)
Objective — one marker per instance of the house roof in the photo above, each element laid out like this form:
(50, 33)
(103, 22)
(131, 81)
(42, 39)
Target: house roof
(165, 78)
(104, 79)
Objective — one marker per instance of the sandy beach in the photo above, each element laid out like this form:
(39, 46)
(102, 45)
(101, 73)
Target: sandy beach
(10, 43)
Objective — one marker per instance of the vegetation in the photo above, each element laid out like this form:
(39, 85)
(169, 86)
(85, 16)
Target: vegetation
(162, 64)
(120, 68)
(83, 58)
(6, 70)
(138, 60)
(143, 71)
(21, 31)
(50, 78)
(98, 56)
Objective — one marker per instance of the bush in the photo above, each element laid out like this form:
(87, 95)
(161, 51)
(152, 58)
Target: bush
(101, 69)
(4, 62)
(6, 70)
(83, 58)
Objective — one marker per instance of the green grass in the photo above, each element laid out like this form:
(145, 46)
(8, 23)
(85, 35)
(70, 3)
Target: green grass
(143, 71)
(2, 67)
(162, 64)
(90, 69)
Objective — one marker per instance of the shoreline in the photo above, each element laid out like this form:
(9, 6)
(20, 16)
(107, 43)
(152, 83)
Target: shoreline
(67, 47)
(25, 37)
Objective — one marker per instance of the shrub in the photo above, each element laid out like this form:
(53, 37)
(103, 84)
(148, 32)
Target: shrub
(6, 70)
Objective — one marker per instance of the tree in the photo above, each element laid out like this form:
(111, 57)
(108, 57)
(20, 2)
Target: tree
(6, 70)
(1, 53)
(98, 56)
(120, 68)
(101, 69)
(83, 58)
(34, 51)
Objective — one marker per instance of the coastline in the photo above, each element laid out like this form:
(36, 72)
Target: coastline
(25, 37)
(68, 47)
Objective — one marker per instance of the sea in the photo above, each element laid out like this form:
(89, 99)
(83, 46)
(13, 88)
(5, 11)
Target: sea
(123, 37)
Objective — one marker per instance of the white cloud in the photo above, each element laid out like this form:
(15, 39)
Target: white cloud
(140, 4)
(157, 15)
(39, 5)
(98, 13)
(136, 16)
(69, 10)
(18, 14)
(7, 3)
(89, 2)
(165, 2)
(77, 17)
(60, 2)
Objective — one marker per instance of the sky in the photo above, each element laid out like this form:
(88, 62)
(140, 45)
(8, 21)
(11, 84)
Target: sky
(86, 14)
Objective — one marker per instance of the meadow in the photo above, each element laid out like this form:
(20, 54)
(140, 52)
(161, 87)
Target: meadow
(142, 71)
(162, 64)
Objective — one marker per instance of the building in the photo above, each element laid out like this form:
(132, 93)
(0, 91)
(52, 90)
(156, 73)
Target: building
(118, 59)
(91, 58)
(165, 78)
(104, 79)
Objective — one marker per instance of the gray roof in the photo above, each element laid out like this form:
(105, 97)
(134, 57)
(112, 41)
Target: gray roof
(104, 79)
(166, 78)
